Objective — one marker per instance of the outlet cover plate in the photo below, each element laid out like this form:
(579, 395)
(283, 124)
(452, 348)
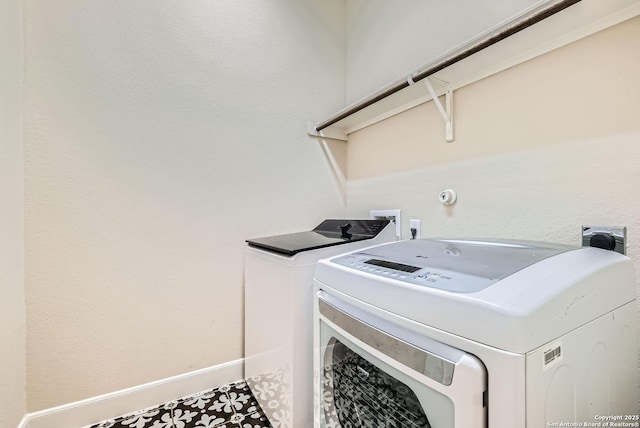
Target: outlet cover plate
(415, 224)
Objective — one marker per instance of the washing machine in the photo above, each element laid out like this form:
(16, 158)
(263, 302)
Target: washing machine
(279, 311)
(468, 333)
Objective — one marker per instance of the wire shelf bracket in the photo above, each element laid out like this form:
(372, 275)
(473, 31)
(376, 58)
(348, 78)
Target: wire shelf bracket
(331, 134)
(445, 111)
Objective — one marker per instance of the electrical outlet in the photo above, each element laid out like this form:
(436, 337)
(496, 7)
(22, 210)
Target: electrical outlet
(607, 237)
(414, 224)
(393, 215)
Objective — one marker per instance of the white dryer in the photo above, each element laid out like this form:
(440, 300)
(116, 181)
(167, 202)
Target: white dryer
(279, 311)
(469, 333)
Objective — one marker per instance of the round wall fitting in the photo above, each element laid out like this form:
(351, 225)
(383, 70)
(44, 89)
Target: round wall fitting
(448, 197)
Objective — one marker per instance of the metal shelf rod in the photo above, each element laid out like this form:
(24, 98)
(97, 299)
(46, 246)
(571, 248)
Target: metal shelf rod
(475, 46)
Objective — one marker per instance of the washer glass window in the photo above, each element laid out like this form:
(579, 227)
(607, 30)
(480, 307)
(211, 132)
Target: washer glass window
(367, 396)
(372, 379)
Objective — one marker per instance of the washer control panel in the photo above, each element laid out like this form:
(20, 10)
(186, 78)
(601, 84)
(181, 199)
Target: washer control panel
(418, 275)
(454, 265)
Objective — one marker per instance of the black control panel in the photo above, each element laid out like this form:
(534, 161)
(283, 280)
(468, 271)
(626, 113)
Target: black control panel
(392, 265)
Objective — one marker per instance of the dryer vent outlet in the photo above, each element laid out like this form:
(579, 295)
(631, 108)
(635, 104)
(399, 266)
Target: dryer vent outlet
(605, 237)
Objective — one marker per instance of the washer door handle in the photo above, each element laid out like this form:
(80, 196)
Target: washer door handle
(424, 362)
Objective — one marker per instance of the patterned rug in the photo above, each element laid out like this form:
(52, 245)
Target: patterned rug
(228, 406)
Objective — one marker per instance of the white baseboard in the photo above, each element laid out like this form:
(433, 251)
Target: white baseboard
(92, 410)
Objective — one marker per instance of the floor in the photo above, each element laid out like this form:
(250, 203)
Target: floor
(228, 406)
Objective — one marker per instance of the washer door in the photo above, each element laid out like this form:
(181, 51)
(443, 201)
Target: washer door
(377, 374)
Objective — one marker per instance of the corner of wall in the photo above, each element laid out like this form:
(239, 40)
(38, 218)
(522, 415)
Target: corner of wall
(12, 291)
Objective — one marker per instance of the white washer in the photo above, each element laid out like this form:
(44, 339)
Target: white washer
(279, 311)
(474, 334)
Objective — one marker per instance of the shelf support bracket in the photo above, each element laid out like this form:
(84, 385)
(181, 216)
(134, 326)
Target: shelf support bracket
(331, 134)
(446, 111)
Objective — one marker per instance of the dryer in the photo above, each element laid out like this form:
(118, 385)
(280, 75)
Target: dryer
(279, 311)
(470, 333)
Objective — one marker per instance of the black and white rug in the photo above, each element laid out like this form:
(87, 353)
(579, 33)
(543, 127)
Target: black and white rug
(228, 406)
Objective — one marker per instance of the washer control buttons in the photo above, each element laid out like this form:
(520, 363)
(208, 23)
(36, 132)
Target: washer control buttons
(431, 276)
(377, 269)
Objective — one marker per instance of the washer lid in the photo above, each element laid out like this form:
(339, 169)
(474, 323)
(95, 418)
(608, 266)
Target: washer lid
(454, 265)
(326, 234)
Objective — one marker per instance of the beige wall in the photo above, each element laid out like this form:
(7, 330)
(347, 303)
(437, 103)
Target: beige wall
(158, 137)
(584, 90)
(540, 150)
(12, 316)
